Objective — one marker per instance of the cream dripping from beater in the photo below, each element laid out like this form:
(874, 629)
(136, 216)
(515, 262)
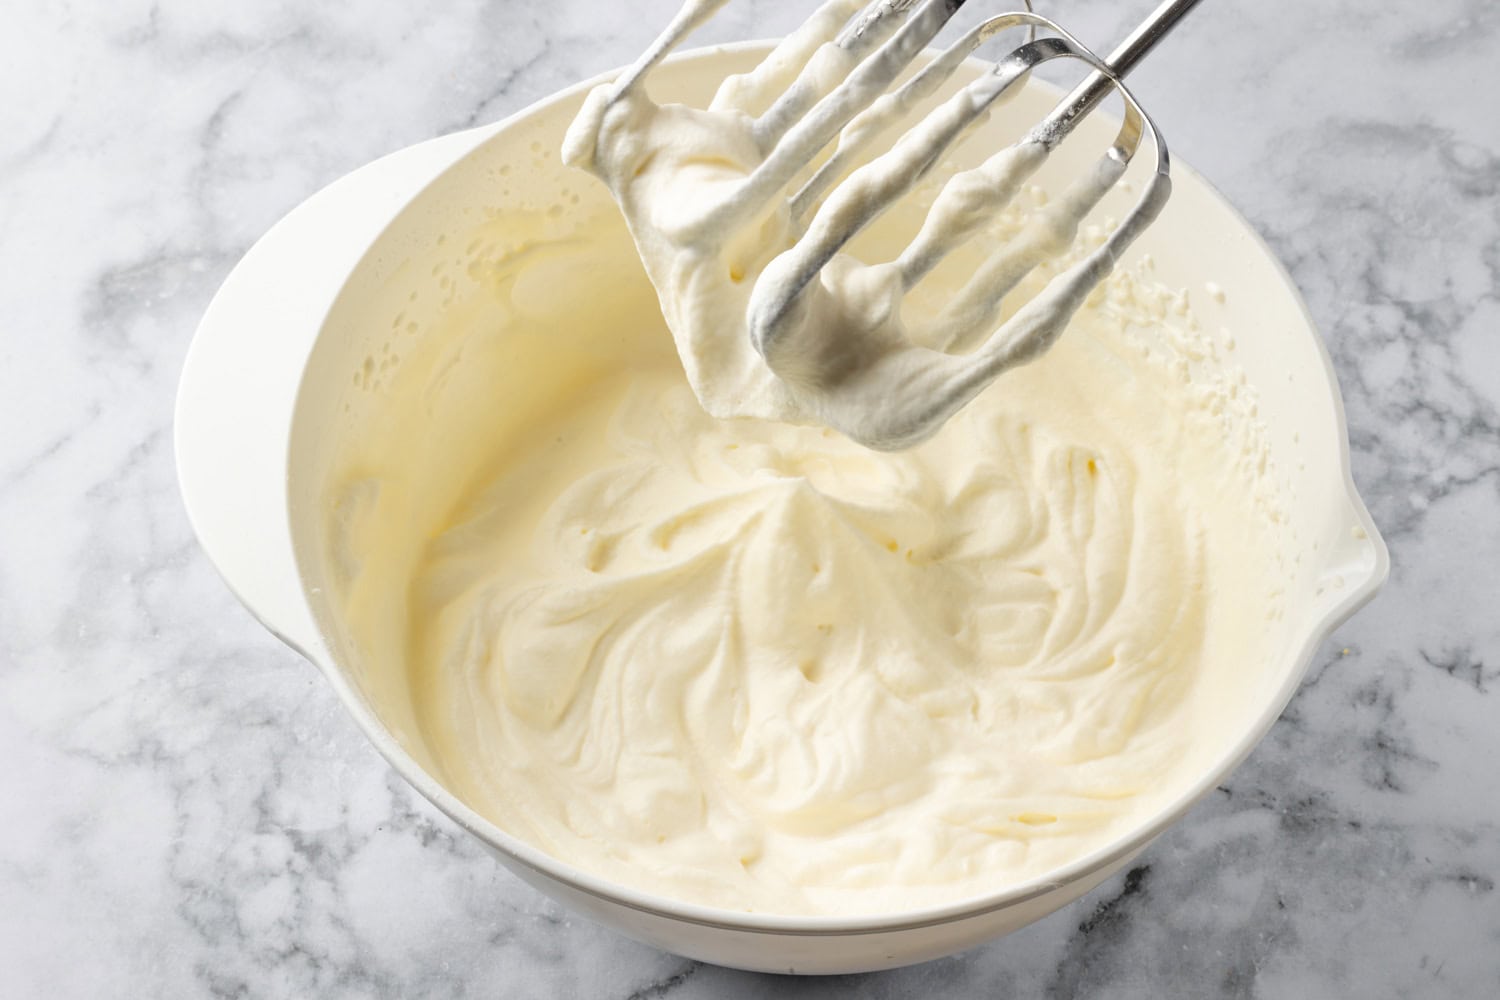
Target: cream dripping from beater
(719, 258)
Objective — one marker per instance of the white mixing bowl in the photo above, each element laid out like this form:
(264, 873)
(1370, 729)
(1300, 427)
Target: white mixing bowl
(271, 395)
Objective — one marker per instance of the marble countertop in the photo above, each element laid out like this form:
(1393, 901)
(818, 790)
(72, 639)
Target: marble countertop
(188, 812)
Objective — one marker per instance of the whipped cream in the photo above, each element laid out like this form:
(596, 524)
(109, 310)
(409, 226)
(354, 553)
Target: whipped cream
(756, 665)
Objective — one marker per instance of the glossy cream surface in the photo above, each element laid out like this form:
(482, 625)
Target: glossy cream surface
(755, 665)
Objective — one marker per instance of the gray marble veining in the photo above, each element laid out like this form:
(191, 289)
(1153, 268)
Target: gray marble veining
(185, 810)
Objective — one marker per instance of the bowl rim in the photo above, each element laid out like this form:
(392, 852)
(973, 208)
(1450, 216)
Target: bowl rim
(1117, 851)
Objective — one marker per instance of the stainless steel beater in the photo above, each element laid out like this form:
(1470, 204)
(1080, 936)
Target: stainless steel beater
(920, 387)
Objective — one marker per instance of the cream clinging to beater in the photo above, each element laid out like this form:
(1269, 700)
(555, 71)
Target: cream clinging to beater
(744, 241)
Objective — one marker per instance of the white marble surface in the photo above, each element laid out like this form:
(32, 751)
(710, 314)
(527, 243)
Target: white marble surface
(185, 811)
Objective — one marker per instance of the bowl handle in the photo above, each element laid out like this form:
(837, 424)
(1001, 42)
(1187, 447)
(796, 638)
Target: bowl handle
(232, 427)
